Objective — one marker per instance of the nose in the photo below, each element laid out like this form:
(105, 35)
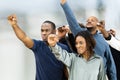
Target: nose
(43, 32)
(89, 21)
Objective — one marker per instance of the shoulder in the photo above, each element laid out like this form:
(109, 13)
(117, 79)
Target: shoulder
(62, 45)
(37, 43)
(97, 56)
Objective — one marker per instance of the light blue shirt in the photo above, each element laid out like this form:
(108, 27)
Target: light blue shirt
(81, 69)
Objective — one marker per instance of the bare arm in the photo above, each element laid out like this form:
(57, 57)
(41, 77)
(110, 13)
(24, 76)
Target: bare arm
(19, 32)
(73, 24)
(101, 27)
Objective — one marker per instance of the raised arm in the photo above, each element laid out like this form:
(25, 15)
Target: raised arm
(12, 19)
(73, 24)
(101, 27)
(109, 36)
(59, 53)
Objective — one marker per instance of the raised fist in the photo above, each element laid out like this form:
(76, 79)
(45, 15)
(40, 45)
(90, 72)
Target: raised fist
(101, 25)
(52, 40)
(63, 1)
(12, 19)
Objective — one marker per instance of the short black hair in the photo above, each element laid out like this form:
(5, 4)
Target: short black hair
(52, 24)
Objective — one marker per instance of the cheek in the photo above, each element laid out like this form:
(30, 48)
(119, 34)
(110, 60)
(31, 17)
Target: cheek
(48, 33)
(76, 46)
(95, 23)
(85, 46)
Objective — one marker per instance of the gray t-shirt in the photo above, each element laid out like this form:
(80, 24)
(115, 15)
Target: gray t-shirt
(79, 68)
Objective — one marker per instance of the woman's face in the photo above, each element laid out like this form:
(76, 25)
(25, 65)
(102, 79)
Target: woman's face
(80, 45)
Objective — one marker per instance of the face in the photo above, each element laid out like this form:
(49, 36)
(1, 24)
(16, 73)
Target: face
(46, 29)
(92, 23)
(80, 45)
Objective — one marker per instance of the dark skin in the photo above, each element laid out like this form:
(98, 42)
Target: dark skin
(46, 29)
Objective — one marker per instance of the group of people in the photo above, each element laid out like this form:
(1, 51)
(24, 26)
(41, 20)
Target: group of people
(83, 54)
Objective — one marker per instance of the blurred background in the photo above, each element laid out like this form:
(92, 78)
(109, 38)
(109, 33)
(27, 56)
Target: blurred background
(16, 61)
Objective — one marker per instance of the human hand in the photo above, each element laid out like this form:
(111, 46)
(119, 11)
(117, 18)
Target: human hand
(12, 19)
(112, 31)
(101, 25)
(67, 29)
(52, 40)
(62, 31)
(63, 1)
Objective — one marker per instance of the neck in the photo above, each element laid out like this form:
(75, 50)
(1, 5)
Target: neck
(93, 32)
(86, 55)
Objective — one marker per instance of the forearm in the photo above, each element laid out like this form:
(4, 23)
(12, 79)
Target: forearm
(19, 32)
(61, 54)
(105, 33)
(28, 42)
(12, 19)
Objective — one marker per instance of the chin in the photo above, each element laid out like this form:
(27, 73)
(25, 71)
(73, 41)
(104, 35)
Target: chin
(90, 29)
(79, 52)
(44, 39)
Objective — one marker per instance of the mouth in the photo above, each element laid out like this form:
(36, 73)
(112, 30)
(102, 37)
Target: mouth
(89, 25)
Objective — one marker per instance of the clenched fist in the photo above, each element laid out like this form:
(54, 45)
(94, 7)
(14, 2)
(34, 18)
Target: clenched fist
(63, 1)
(52, 40)
(12, 19)
(101, 25)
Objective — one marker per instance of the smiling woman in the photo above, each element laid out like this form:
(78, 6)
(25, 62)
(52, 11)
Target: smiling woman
(81, 64)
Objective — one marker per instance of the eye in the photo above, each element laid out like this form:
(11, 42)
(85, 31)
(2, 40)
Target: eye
(42, 30)
(81, 42)
(47, 30)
